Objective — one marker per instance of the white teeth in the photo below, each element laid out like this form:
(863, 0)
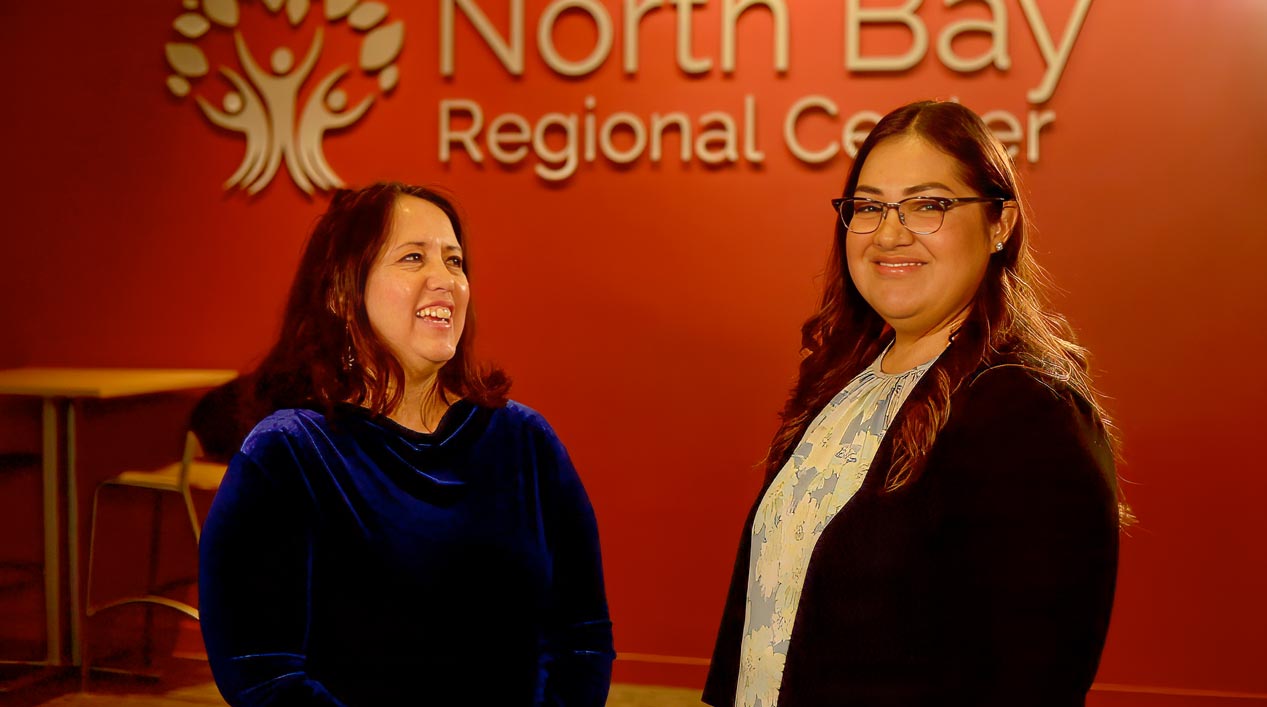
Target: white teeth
(444, 313)
(898, 265)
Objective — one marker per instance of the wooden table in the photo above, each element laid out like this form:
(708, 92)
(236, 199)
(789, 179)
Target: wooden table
(66, 387)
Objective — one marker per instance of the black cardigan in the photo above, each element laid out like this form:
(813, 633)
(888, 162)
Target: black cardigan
(987, 581)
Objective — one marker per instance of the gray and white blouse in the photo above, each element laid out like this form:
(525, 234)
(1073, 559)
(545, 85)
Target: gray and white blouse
(825, 470)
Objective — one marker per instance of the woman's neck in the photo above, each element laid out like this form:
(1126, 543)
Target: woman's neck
(913, 348)
(422, 406)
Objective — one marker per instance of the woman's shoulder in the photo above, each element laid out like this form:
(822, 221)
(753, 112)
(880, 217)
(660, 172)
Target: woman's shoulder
(1018, 408)
(517, 414)
(1026, 400)
(284, 427)
(1021, 433)
(1014, 373)
(526, 429)
(1015, 381)
(290, 421)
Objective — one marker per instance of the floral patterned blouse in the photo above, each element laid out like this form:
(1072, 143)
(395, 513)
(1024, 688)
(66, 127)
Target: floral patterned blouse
(825, 470)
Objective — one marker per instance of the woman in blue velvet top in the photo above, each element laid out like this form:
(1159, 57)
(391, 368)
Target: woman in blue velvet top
(395, 531)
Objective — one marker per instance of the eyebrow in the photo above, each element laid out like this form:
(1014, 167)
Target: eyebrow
(925, 186)
(447, 248)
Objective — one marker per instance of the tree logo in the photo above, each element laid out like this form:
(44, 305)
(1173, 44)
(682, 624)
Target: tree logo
(265, 104)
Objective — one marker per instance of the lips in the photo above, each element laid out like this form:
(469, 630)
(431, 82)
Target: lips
(896, 266)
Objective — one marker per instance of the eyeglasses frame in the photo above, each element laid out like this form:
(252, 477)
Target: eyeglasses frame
(947, 204)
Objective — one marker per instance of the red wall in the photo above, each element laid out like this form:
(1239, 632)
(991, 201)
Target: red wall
(651, 312)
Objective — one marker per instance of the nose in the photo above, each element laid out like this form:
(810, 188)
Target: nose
(438, 276)
(892, 233)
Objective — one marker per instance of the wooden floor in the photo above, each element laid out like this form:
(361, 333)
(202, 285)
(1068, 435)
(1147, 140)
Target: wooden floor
(192, 687)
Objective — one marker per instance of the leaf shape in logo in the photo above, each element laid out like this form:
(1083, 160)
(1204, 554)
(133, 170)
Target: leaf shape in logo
(273, 5)
(187, 59)
(178, 86)
(296, 11)
(222, 12)
(192, 25)
(367, 15)
(336, 9)
(382, 45)
(388, 78)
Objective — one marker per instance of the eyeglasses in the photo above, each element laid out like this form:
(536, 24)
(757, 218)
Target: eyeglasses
(920, 215)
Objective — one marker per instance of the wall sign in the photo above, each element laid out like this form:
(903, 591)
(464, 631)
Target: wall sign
(263, 101)
(719, 137)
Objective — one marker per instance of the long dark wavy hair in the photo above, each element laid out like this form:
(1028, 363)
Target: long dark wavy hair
(1008, 318)
(326, 320)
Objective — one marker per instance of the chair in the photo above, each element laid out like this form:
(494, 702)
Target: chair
(213, 420)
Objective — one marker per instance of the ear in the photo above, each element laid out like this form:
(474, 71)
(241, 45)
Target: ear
(1002, 229)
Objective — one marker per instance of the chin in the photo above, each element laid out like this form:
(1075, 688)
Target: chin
(895, 311)
(432, 356)
(440, 358)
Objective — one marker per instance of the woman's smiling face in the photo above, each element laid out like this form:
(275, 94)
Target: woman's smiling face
(919, 284)
(416, 294)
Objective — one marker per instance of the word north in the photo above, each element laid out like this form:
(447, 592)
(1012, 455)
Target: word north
(508, 43)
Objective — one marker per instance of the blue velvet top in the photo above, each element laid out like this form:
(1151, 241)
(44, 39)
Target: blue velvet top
(352, 561)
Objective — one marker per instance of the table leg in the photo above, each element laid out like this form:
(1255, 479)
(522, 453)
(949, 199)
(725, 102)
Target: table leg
(52, 538)
(72, 533)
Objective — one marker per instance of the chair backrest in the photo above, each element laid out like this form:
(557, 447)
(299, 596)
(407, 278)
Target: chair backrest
(217, 423)
(198, 471)
(193, 451)
(214, 435)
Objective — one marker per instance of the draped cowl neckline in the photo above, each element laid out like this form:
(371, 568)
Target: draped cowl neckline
(433, 459)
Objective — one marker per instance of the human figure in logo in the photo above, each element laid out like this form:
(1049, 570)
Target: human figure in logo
(321, 113)
(280, 91)
(395, 531)
(244, 113)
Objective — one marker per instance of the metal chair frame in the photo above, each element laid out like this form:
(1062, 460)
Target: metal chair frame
(178, 478)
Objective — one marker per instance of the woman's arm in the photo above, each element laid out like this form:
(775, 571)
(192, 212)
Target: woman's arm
(253, 586)
(1031, 540)
(579, 649)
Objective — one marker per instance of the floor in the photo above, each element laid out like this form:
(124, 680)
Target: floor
(191, 686)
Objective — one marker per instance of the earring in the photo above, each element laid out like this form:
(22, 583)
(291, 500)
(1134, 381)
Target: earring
(349, 355)
(998, 246)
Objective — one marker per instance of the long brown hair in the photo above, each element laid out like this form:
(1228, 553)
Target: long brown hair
(327, 351)
(1007, 317)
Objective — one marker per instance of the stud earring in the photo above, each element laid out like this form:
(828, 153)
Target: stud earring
(998, 246)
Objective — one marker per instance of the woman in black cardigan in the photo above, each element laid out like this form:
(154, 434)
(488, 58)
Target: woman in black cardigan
(939, 522)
